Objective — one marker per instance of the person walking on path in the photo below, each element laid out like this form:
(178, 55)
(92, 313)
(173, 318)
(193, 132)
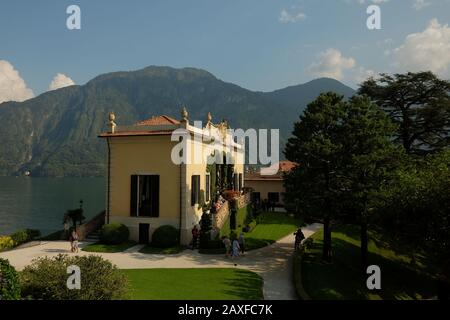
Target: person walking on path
(242, 242)
(226, 241)
(195, 234)
(299, 237)
(74, 241)
(235, 249)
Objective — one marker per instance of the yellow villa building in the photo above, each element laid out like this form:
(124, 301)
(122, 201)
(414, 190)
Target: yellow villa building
(270, 188)
(146, 188)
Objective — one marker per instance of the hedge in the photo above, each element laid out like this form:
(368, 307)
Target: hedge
(9, 281)
(114, 233)
(165, 237)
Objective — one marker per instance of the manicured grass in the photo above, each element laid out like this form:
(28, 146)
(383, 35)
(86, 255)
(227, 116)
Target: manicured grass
(152, 250)
(272, 226)
(343, 279)
(194, 284)
(241, 216)
(100, 247)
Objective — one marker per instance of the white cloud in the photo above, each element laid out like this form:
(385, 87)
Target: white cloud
(359, 75)
(286, 16)
(426, 50)
(60, 81)
(420, 4)
(367, 1)
(332, 64)
(12, 86)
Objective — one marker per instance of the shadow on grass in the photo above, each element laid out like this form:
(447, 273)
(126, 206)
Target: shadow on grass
(343, 278)
(247, 286)
(148, 249)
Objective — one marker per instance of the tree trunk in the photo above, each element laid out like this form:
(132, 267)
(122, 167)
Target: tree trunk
(364, 245)
(326, 254)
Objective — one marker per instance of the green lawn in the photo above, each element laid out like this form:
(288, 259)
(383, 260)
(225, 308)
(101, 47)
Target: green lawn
(194, 284)
(152, 250)
(100, 247)
(272, 226)
(343, 280)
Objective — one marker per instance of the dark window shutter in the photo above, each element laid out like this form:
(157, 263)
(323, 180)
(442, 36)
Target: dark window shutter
(155, 196)
(192, 190)
(133, 195)
(208, 187)
(240, 181)
(195, 189)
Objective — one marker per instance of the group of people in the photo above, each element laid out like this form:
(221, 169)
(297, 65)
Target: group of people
(235, 246)
(299, 237)
(73, 238)
(216, 205)
(268, 205)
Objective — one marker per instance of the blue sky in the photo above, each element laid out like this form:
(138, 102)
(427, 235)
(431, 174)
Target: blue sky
(258, 44)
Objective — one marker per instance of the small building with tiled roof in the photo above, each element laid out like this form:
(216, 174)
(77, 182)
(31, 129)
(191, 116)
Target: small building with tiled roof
(146, 188)
(265, 185)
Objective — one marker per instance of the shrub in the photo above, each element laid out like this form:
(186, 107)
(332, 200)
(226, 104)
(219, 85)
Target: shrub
(19, 237)
(9, 281)
(205, 230)
(213, 244)
(308, 243)
(33, 233)
(165, 237)
(6, 242)
(46, 279)
(114, 233)
(25, 235)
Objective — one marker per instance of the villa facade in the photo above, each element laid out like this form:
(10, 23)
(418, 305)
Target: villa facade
(146, 188)
(267, 186)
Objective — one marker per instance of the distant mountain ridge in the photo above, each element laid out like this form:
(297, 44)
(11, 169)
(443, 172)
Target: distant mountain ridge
(55, 134)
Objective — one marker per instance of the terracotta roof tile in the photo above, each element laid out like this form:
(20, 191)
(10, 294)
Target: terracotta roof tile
(286, 165)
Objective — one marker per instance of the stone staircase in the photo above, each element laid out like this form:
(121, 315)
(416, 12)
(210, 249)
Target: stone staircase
(93, 237)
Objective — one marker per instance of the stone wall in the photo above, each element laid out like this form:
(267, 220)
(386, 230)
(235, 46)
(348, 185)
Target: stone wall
(224, 212)
(222, 215)
(244, 200)
(92, 225)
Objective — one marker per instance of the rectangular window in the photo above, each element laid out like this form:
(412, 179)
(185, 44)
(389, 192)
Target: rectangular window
(274, 197)
(195, 189)
(240, 181)
(236, 182)
(256, 197)
(144, 198)
(207, 187)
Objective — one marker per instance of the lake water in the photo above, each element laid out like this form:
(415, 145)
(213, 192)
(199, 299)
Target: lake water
(40, 203)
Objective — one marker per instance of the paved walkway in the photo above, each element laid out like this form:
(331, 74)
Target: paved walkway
(273, 263)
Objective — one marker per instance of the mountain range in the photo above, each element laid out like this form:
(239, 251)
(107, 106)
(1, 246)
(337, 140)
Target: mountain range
(55, 133)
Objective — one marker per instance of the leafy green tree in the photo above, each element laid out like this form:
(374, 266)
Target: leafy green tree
(419, 103)
(344, 151)
(314, 145)
(414, 209)
(368, 158)
(75, 216)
